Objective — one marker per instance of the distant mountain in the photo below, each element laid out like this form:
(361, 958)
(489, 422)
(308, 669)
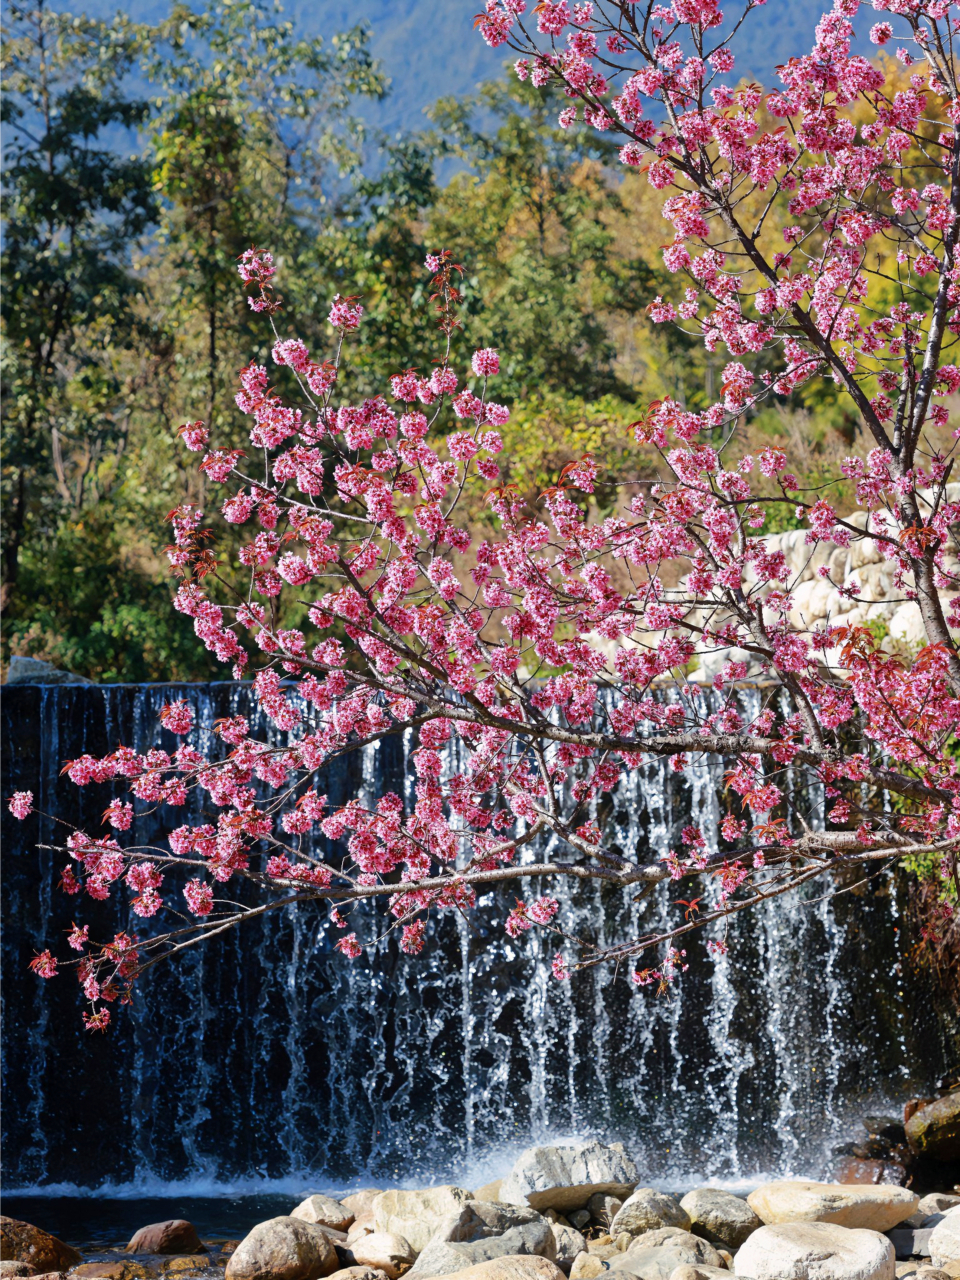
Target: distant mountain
(430, 50)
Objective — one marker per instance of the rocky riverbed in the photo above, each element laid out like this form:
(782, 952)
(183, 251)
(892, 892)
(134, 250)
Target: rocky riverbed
(573, 1212)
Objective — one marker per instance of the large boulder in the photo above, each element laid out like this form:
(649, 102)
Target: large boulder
(482, 1231)
(416, 1215)
(174, 1236)
(364, 1226)
(383, 1250)
(565, 1177)
(360, 1202)
(325, 1212)
(934, 1130)
(489, 1190)
(656, 1254)
(11, 1267)
(283, 1249)
(646, 1210)
(868, 1207)
(944, 1242)
(23, 1242)
(815, 1251)
(719, 1216)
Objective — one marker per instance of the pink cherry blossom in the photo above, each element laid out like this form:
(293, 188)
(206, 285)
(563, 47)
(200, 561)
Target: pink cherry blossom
(20, 804)
(485, 363)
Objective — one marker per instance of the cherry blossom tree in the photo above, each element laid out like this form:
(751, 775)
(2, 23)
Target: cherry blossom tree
(558, 652)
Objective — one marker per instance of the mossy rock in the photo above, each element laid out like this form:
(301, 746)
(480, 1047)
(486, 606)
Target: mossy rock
(934, 1130)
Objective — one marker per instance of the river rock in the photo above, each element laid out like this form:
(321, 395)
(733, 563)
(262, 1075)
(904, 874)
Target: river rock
(936, 1202)
(522, 1267)
(651, 1239)
(646, 1210)
(945, 1240)
(184, 1263)
(587, 1266)
(416, 1215)
(871, 1171)
(912, 1242)
(175, 1236)
(484, 1230)
(23, 1242)
(384, 1250)
(283, 1248)
(934, 1130)
(815, 1251)
(719, 1216)
(869, 1207)
(657, 1254)
(890, 1128)
(602, 1208)
(363, 1226)
(13, 1268)
(359, 1273)
(360, 1202)
(565, 1177)
(569, 1244)
(124, 1269)
(490, 1191)
(325, 1212)
(690, 1271)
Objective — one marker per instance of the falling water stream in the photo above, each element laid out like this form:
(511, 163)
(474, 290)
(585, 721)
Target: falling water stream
(264, 1060)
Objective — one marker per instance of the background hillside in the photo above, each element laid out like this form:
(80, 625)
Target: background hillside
(429, 48)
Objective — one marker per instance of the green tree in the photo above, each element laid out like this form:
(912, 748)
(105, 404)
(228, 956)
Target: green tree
(252, 138)
(533, 216)
(72, 206)
(123, 313)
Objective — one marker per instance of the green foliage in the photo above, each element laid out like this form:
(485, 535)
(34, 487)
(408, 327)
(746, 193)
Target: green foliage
(927, 867)
(251, 135)
(532, 217)
(118, 623)
(550, 429)
(124, 315)
(72, 206)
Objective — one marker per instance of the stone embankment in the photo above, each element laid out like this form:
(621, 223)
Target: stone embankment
(570, 1212)
(817, 601)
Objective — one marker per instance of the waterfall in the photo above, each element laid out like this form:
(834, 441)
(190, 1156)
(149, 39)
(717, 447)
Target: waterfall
(265, 1058)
